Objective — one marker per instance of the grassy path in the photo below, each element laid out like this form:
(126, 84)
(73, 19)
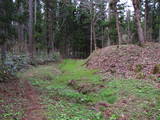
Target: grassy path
(33, 110)
(72, 92)
(62, 101)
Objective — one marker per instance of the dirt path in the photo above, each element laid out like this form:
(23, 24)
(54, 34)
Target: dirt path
(33, 110)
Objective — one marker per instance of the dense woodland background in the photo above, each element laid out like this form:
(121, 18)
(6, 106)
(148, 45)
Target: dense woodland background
(74, 28)
(121, 81)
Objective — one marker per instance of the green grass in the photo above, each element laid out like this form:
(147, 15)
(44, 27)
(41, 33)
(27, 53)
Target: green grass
(73, 105)
(74, 70)
(63, 110)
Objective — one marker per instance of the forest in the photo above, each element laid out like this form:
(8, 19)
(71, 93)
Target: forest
(79, 59)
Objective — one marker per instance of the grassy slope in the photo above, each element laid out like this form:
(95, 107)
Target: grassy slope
(131, 99)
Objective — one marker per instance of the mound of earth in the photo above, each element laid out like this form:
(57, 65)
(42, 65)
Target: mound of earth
(130, 61)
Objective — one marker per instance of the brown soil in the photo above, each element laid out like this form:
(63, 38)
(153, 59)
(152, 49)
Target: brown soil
(33, 110)
(85, 88)
(20, 95)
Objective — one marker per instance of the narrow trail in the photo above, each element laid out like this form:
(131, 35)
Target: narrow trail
(33, 110)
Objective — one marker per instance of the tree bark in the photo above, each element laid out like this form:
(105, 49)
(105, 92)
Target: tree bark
(94, 38)
(102, 37)
(20, 42)
(128, 26)
(91, 31)
(113, 6)
(107, 29)
(108, 38)
(20, 37)
(137, 11)
(49, 23)
(146, 20)
(118, 28)
(91, 38)
(3, 53)
(35, 12)
(31, 42)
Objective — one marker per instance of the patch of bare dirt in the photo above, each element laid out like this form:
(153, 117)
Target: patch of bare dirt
(85, 88)
(33, 110)
(130, 61)
(19, 100)
(11, 97)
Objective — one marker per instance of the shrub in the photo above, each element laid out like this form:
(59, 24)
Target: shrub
(156, 69)
(56, 56)
(138, 68)
(13, 64)
(5, 75)
(141, 75)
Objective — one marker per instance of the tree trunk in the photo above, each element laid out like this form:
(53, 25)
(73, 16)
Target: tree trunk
(102, 37)
(91, 38)
(108, 38)
(35, 12)
(3, 53)
(94, 38)
(20, 37)
(107, 29)
(128, 26)
(146, 20)
(23, 47)
(118, 28)
(113, 6)
(49, 30)
(150, 29)
(47, 26)
(20, 30)
(91, 31)
(136, 4)
(31, 42)
(152, 33)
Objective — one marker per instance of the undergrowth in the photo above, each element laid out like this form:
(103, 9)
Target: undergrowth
(65, 102)
(8, 111)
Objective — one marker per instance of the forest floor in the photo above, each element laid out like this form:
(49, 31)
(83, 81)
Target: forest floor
(70, 91)
(128, 61)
